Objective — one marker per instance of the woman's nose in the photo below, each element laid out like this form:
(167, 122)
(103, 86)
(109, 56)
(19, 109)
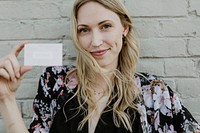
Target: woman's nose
(96, 39)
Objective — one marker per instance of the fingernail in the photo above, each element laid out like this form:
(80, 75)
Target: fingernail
(18, 75)
(15, 80)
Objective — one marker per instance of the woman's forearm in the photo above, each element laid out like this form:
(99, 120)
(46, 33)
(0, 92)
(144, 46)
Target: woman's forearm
(12, 117)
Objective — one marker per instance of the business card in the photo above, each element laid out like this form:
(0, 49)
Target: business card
(43, 54)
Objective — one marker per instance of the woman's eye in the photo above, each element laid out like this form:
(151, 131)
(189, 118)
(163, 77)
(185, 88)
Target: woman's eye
(105, 26)
(83, 30)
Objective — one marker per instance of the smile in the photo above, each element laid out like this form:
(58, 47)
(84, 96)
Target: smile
(99, 52)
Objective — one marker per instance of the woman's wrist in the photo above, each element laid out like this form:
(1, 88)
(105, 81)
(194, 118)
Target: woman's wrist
(5, 100)
(12, 116)
(7, 103)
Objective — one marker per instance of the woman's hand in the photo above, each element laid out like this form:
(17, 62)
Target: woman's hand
(11, 73)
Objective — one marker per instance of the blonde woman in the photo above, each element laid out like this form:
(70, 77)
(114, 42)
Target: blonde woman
(103, 93)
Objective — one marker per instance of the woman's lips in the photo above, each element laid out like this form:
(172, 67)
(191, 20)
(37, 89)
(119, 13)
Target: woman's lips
(99, 52)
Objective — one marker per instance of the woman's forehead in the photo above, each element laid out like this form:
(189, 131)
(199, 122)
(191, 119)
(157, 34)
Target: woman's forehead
(93, 11)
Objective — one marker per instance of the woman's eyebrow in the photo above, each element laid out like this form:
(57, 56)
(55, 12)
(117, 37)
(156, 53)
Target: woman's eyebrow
(84, 25)
(104, 21)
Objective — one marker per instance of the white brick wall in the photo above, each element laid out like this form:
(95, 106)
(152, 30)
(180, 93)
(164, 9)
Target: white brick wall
(169, 32)
(144, 8)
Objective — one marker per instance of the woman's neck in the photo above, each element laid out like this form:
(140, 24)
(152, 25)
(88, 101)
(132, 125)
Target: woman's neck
(101, 86)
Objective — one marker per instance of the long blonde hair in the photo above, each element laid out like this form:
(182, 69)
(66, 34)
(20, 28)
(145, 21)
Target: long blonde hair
(123, 87)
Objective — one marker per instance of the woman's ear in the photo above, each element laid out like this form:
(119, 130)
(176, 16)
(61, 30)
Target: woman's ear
(126, 29)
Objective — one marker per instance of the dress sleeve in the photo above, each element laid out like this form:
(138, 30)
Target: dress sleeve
(53, 90)
(165, 112)
(42, 117)
(46, 103)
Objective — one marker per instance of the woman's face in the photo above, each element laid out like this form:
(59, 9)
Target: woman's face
(100, 33)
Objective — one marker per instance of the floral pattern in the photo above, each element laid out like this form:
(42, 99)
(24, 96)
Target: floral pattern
(160, 112)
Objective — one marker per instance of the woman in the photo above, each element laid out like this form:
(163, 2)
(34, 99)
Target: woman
(102, 94)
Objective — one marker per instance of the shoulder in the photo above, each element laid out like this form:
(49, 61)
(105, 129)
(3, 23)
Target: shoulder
(145, 78)
(150, 82)
(58, 70)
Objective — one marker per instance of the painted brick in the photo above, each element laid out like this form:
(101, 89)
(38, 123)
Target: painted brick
(66, 8)
(157, 7)
(69, 49)
(180, 67)
(16, 30)
(147, 28)
(28, 10)
(152, 66)
(34, 29)
(195, 7)
(181, 28)
(27, 89)
(51, 29)
(27, 108)
(163, 48)
(193, 105)
(4, 48)
(194, 47)
(189, 87)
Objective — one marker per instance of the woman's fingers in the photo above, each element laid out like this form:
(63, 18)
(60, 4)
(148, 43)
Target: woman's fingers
(19, 48)
(15, 65)
(25, 69)
(12, 69)
(4, 74)
(12, 66)
(8, 67)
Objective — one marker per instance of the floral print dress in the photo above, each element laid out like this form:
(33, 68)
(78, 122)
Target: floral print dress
(160, 112)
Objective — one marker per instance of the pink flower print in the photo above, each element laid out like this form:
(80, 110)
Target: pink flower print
(177, 103)
(148, 99)
(57, 69)
(71, 81)
(47, 78)
(171, 129)
(157, 95)
(156, 120)
(36, 126)
(138, 83)
(60, 93)
(38, 129)
(60, 81)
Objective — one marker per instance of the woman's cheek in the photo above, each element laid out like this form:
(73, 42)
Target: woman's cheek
(83, 43)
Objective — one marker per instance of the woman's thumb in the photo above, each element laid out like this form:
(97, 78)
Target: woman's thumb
(25, 69)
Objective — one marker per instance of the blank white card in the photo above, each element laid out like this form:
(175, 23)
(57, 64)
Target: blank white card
(43, 54)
